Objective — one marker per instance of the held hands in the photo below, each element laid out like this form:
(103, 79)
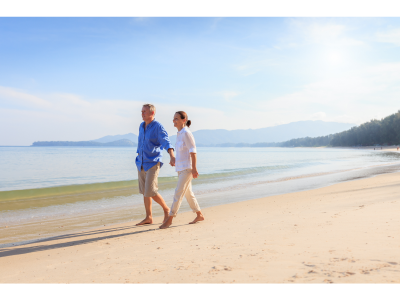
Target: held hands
(195, 173)
(172, 161)
(172, 157)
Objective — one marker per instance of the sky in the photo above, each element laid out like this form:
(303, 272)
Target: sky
(76, 79)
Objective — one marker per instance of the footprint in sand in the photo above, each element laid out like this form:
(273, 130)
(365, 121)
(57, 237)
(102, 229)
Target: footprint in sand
(350, 273)
(308, 265)
(219, 268)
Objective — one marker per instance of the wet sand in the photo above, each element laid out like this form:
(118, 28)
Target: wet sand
(345, 233)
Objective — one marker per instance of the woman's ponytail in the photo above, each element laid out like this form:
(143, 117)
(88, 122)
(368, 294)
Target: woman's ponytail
(184, 116)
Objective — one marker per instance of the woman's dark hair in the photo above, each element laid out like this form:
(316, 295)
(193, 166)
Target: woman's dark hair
(184, 116)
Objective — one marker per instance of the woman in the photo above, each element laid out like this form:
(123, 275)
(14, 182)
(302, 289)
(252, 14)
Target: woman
(185, 165)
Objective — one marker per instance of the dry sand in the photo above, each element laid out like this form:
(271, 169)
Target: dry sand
(344, 233)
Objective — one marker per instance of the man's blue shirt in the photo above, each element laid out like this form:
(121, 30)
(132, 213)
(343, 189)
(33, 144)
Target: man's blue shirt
(151, 143)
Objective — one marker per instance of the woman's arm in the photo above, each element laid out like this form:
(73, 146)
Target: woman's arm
(194, 165)
(188, 138)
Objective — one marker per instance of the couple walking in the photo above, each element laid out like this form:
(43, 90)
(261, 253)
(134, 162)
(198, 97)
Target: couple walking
(153, 138)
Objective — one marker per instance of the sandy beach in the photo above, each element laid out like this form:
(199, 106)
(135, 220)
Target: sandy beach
(344, 233)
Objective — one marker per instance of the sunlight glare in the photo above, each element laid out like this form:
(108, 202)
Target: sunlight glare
(334, 58)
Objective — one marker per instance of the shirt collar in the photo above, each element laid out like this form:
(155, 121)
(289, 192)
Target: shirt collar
(150, 124)
(184, 129)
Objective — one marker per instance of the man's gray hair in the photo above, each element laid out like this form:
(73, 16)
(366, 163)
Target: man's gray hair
(151, 107)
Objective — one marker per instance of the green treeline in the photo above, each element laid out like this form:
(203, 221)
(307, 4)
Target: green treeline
(300, 142)
(376, 132)
(309, 142)
(382, 132)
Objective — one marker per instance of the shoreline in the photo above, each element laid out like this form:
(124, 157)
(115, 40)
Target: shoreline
(157, 212)
(77, 189)
(38, 229)
(345, 232)
(385, 148)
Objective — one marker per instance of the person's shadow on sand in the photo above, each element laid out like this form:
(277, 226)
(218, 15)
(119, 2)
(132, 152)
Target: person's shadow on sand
(89, 237)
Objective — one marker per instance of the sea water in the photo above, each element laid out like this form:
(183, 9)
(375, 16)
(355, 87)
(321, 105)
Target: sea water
(47, 191)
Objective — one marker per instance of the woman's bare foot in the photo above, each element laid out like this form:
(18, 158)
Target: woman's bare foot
(148, 220)
(199, 218)
(166, 215)
(167, 223)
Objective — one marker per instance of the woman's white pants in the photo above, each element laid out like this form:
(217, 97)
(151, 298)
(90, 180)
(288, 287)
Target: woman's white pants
(184, 188)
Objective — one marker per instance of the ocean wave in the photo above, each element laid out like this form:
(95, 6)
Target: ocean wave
(131, 186)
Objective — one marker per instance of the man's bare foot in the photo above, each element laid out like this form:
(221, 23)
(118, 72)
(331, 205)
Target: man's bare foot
(167, 223)
(145, 221)
(166, 215)
(199, 218)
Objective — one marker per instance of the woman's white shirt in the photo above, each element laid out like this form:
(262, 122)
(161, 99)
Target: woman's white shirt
(184, 145)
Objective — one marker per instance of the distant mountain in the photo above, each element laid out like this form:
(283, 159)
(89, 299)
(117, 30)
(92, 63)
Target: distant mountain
(111, 138)
(273, 134)
(223, 137)
(119, 143)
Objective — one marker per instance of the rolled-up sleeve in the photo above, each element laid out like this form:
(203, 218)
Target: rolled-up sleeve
(163, 138)
(188, 138)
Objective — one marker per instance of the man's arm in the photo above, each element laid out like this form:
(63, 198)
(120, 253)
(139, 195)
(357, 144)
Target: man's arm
(166, 144)
(171, 157)
(138, 142)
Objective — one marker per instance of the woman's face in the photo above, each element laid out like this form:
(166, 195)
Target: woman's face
(178, 122)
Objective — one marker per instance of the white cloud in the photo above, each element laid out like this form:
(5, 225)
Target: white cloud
(141, 20)
(354, 98)
(327, 33)
(351, 97)
(318, 33)
(391, 36)
(72, 118)
(254, 64)
(214, 23)
(318, 116)
(19, 97)
(202, 118)
(228, 95)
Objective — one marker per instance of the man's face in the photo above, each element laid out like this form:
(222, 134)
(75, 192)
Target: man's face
(146, 113)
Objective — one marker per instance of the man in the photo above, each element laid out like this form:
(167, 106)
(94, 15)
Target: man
(153, 138)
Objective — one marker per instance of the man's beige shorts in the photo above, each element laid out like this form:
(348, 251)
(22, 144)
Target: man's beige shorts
(148, 181)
